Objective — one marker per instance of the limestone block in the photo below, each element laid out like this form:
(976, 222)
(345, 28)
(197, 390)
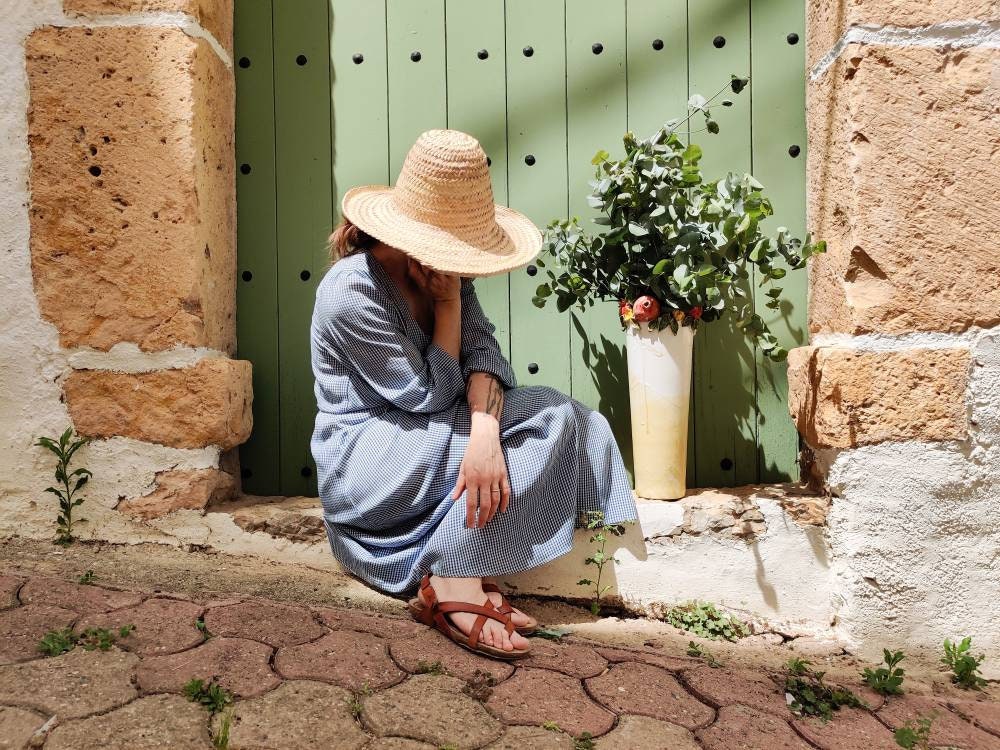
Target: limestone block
(902, 185)
(827, 21)
(215, 16)
(196, 489)
(193, 407)
(843, 398)
(133, 207)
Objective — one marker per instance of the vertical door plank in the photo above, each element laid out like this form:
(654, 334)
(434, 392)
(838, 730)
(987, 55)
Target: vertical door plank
(302, 137)
(778, 90)
(417, 89)
(360, 136)
(257, 273)
(657, 89)
(476, 105)
(596, 105)
(725, 375)
(536, 127)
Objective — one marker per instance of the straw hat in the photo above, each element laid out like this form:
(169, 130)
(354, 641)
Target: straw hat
(441, 210)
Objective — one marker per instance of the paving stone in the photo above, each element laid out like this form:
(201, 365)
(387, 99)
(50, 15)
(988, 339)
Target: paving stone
(723, 687)
(743, 728)
(76, 596)
(273, 624)
(16, 727)
(574, 660)
(532, 738)
(297, 715)
(343, 657)
(8, 591)
(948, 728)
(431, 708)
(850, 729)
(239, 665)
(397, 743)
(383, 626)
(647, 733)
(672, 663)
(22, 628)
(430, 646)
(535, 696)
(982, 713)
(73, 685)
(150, 723)
(162, 626)
(633, 688)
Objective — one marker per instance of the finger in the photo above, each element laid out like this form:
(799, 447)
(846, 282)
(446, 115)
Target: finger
(459, 485)
(496, 498)
(471, 503)
(504, 493)
(485, 505)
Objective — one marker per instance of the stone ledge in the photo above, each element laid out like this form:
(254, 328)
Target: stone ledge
(192, 407)
(298, 519)
(215, 16)
(844, 398)
(195, 489)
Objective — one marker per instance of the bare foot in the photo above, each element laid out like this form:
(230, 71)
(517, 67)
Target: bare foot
(471, 590)
(518, 617)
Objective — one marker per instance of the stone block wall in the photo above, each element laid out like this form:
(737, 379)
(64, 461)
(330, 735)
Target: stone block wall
(897, 393)
(117, 225)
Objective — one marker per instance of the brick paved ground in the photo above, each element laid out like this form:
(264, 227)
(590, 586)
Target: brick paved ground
(322, 677)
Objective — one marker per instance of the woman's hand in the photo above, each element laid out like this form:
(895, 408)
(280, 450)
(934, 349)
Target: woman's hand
(442, 287)
(483, 473)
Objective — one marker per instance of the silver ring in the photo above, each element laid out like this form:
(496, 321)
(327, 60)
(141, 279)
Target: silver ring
(494, 492)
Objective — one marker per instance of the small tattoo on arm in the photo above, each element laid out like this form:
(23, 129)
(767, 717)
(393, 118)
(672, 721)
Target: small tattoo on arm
(494, 398)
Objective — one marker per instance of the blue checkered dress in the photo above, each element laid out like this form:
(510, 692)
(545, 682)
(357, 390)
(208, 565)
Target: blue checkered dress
(392, 427)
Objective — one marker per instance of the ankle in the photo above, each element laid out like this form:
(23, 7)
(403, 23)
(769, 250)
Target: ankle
(462, 589)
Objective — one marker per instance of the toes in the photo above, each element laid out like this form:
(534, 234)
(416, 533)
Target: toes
(518, 641)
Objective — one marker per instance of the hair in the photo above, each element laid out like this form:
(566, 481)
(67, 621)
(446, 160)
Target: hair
(348, 239)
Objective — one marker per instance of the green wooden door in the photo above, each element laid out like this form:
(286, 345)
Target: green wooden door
(332, 93)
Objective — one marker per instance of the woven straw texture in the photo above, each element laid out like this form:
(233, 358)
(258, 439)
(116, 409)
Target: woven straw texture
(441, 210)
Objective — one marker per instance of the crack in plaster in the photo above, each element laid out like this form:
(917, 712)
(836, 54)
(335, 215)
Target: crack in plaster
(186, 23)
(954, 34)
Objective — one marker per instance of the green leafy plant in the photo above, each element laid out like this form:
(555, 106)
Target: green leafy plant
(57, 642)
(200, 624)
(70, 482)
(700, 652)
(809, 695)
(209, 695)
(963, 665)
(915, 735)
(675, 250)
(594, 521)
(87, 578)
(887, 680)
(356, 704)
(584, 742)
(551, 726)
(707, 621)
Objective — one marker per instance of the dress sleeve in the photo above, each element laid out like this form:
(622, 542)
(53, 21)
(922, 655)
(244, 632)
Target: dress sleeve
(480, 350)
(371, 342)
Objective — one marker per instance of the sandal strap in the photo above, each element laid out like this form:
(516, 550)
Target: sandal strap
(505, 605)
(435, 612)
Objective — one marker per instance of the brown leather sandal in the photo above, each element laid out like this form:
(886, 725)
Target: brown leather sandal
(435, 614)
(505, 608)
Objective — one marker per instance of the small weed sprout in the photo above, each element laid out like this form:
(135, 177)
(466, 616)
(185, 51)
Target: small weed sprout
(915, 736)
(57, 642)
(584, 742)
(963, 665)
(595, 522)
(355, 705)
(551, 726)
(707, 621)
(200, 624)
(87, 578)
(700, 652)
(221, 739)
(431, 667)
(808, 695)
(64, 447)
(209, 695)
(887, 680)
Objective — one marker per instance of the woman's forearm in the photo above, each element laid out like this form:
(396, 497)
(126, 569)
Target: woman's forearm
(485, 396)
(448, 325)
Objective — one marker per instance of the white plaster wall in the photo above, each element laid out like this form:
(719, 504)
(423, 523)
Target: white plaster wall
(783, 577)
(31, 362)
(915, 532)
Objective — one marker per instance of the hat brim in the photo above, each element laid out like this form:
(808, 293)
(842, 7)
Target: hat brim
(517, 242)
